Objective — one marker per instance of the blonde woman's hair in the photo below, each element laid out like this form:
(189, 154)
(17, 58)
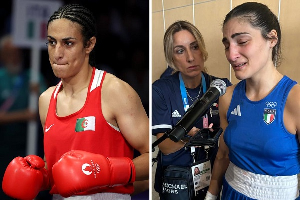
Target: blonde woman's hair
(169, 43)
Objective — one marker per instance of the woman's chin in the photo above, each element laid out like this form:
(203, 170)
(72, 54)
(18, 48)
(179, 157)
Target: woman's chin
(240, 76)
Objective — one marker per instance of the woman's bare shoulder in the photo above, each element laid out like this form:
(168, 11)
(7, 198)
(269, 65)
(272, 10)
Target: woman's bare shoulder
(116, 86)
(44, 102)
(293, 98)
(46, 95)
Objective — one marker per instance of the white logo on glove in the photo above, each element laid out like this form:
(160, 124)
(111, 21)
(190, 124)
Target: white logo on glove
(94, 168)
(85, 171)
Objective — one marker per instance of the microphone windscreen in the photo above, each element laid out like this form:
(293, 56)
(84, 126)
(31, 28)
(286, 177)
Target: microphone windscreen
(220, 85)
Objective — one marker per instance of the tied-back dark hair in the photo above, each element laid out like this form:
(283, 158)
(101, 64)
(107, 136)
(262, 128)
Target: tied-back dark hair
(259, 16)
(82, 16)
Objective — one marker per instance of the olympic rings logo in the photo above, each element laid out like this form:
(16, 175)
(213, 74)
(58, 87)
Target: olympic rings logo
(271, 104)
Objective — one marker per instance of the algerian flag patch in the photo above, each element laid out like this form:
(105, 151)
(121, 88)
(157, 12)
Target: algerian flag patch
(85, 124)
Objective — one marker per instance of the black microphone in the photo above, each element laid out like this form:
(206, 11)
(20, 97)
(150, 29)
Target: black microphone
(198, 108)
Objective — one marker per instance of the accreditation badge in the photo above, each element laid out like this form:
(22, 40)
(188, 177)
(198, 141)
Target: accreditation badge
(205, 121)
(201, 175)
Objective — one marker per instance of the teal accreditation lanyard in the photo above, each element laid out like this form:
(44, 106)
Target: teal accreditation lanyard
(186, 102)
(184, 98)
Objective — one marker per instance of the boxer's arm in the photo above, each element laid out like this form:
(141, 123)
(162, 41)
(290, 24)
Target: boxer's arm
(222, 158)
(291, 114)
(122, 105)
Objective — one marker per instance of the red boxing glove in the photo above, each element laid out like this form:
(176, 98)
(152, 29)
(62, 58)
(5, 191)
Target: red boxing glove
(25, 177)
(80, 171)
